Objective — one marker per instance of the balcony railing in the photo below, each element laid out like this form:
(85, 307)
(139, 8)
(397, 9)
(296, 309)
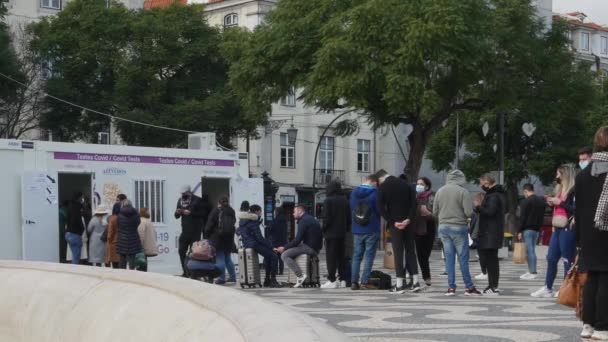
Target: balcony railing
(324, 177)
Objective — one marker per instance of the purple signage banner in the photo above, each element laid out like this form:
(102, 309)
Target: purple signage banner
(121, 158)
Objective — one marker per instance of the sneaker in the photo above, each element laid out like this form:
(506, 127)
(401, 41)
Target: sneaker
(544, 292)
(481, 277)
(232, 280)
(300, 281)
(343, 284)
(355, 286)
(427, 282)
(368, 287)
(472, 292)
(556, 295)
(415, 288)
(220, 282)
(444, 273)
(274, 284)
(528, 276)
(398, 290)
(451, 293)
(491, 292)
(329, 285)
(600, 335)
(587, 331)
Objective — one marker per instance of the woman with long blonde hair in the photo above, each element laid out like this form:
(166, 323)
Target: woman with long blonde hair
(563, 239)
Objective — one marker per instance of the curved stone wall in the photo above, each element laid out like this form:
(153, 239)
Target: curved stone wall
(57, 302)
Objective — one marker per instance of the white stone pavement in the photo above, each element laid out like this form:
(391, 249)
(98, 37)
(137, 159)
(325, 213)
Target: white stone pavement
(430, 316)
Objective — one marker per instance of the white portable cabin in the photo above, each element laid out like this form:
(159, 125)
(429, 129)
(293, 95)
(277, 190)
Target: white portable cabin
(37, 176)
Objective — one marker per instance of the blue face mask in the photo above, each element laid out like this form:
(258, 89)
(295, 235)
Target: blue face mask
(420, 188)
(583, 164)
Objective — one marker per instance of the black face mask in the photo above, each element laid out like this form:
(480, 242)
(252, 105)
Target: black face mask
(558, 180)
(185, 197)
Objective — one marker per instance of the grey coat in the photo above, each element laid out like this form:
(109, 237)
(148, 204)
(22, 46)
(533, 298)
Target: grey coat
(97, 248)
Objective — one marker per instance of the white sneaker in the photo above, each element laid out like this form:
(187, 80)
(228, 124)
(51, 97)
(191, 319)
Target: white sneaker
(330, 285)
(528, 276)
(481, 277)
(556, 294)
(343, 284)
(544, 292)
(600, 335)
(300, 281)
(587, 331)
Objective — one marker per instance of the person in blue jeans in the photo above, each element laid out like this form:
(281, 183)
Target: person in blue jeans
(251, 235)
(222, 238)
(531, 217)
(563, 239)
(366, 232)
(452, 208)
(75, 227)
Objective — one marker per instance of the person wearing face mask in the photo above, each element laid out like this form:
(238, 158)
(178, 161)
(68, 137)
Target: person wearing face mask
(563, 239)
(190, 210)
(584, 157)
(425, 226)
(491, 216)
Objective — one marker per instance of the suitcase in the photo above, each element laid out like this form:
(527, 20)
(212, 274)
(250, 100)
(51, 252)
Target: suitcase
(309, 266)
(249, 268)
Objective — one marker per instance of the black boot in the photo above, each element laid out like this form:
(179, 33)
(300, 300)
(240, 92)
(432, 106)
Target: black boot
(267, 282)
(274, 283)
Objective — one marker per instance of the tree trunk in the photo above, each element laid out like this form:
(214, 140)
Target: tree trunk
(417, 141)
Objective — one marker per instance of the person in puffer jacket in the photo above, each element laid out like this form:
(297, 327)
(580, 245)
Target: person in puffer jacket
(251, 235)
(128, 236)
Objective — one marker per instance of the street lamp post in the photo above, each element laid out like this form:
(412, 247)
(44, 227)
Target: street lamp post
(314, 165)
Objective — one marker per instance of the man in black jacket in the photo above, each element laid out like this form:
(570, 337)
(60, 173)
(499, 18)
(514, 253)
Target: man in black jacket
(220, 230)
(308, 240)
(398, 207)
(191, 212)
(336, 223)
(531, 216)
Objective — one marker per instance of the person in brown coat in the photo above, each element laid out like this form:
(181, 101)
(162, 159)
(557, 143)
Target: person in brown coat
(112, 256)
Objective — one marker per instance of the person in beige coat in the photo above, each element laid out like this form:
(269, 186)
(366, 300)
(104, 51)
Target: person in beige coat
(147, 236)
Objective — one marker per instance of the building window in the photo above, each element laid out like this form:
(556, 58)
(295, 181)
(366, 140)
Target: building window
(288, 152)
(53, 4)
(585, 41)
(290, 99)
(363, 154)
(150, 194)
(604, 50)
(326, 152)
(231, 19)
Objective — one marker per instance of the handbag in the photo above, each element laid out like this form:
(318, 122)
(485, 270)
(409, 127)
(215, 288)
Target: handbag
(559, 221)
(140, 260)
(520, 255)
(571, 291)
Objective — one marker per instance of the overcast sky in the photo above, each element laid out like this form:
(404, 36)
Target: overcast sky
(596, 10)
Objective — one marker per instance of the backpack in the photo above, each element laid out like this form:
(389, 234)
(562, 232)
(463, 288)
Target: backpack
(363, 213)
(380, 280)
(202, 250)
(226, 225)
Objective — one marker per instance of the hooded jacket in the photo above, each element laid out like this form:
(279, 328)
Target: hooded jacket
(396, 200)
(249, 229)
(128, 236)
(309, 233)
(337, 216)
(368, 194)
(492, 219)
(453, 204)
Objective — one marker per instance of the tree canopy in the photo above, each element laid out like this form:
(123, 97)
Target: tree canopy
(414, 62)
(163, 67)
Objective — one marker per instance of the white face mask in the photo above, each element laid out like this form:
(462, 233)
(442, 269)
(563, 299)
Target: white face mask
(420, 188)
(583, 164)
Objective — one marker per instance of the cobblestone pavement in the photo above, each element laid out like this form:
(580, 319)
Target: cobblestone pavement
(431, 316)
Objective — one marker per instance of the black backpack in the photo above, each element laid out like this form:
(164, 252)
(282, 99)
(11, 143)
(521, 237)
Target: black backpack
(380, 280)
(226, 225)
(363, 213)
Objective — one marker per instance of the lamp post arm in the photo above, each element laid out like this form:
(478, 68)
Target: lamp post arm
(314, 165)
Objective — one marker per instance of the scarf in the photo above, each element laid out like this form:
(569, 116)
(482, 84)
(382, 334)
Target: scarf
(424, 195)
(599, 167)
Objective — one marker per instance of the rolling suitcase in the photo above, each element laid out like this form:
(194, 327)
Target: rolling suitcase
(249, 268)
(309, 266)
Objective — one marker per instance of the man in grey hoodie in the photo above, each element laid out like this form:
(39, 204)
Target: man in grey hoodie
(453, 207)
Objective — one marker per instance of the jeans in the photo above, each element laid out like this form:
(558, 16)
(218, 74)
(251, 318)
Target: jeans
(364, 248)
(75, 243)
(530, 238)
(490, 259)
(334, 253)
(184, 243)
(404, 241)
(224, 262)
(595, 297)
(289, 257)
(127, 259)
(562, 245)
(456, 243)
(270, 259)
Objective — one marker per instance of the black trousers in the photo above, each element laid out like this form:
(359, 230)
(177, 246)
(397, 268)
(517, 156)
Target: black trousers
(482, 264)
(424, 247)
(184, 244)
(489, 257)
(595, 301)
(281, 266)
(404, 242)
(334, 253)
(127, 259)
